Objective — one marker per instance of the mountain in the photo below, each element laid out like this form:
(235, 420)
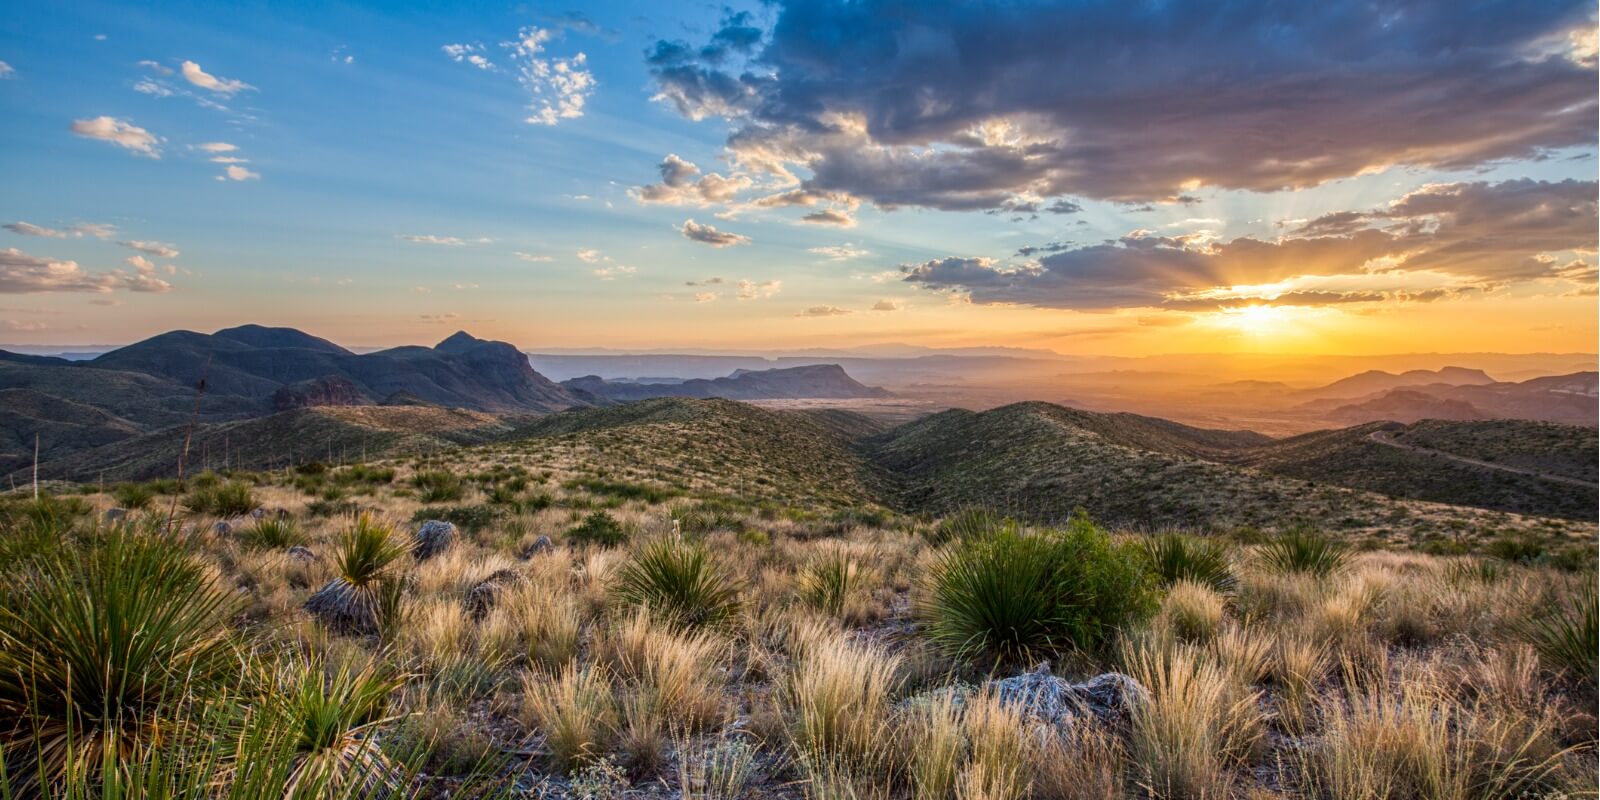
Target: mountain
(1405, 405)
(1042, 461)
(827, 381)
(1373, 381)
(250, 371)
(1570, 399)
(1531, 468)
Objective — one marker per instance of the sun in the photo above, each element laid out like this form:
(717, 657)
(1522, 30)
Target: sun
(1258, 320)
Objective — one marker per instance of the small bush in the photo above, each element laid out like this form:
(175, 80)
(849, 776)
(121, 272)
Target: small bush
(1567, 636)
(272, 533)
(829, 581)
(231, 499)
(599, 528)
(437, 486)
(333, 714)
(1302, 552)
(364, 595)
(1016, 597)
(679, 580)
(467, 518)
(968, 524)
(1516, 549)
(134, 495)
(1175, 557)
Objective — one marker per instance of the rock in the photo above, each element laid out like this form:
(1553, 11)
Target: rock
(434, 537)
(344, 609)
(258, 513)
(222, 528)
(539, 545)
(116, 514)
(1110, 697)
(301, 553)
(483, 594)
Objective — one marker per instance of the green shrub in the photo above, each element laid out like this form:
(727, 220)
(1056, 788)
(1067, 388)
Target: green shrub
(272, 533)
(331, 714)
(1013, 597)
(366, 593)
(437, 486)
(503, 494)
(467, 518)
(625, 491)
(1175, 557)
(133, 495)
(829, 580)
(1567, 635)
(1298, 551)
(1516, 549)
(331, 508)
(679, 580)
(229, 499)
(102, 642)
(599, 528)
(966, 524)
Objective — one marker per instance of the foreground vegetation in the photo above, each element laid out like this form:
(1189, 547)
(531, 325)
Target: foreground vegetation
(583, 635)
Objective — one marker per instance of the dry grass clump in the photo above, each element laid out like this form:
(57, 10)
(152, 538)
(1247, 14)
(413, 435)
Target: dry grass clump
(1191, 612)
(574, 710)
(836, 705)
(1198, 727)
(677, 674)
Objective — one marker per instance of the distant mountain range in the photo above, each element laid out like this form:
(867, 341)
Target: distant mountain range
(1571, 399)
(822, 381)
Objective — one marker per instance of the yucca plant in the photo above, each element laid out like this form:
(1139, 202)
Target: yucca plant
(367, 589)
(330, 716)
(1175, 557)
(1299, 551)
(678, 580)
(1012, 597)
(1567, 636)
(272, 533)
(437, 486)
(103, 647)
(133, 495)
(827, 583)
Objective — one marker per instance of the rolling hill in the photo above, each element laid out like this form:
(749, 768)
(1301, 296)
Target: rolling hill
(827, 381)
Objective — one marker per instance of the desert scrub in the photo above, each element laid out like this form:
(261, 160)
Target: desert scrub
(104, 642)
(230, 499)
(574, 710)
(599, 528)
(333, 713)
(680, 581)
(1191, 612)
(1015, 596)
(833, 583)
(365, 593)
(1298, 551)
(272, 533)
(437, 486)
(677, 675)
(965, 524)
(1198, 726)
(134, 496)
(1567, 635)
(1178, 557)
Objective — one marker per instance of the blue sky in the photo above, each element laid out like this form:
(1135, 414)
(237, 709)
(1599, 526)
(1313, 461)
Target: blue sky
(383, 186)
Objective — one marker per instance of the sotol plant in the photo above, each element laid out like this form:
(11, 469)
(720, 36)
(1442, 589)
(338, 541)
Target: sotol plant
(1175, 557)
(679, 580)
(1298, 551)
(1014, 596)
(365, 592)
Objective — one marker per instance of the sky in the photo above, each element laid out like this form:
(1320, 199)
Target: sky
(1118, 178)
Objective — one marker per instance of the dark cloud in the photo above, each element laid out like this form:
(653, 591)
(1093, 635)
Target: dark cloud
(968, 105)
(828, 216)
(1474, 234)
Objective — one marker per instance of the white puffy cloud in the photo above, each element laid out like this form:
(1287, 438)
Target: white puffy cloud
(560, 86)
(217, 147)
(7, 71)
(823, 311)
(590, 256)
(612, 273)
(840, 252)
(751, 290)
(468, 54)
(161, 249)
(682, 184)
(21, 273)
(887, 305)
(532, 258)
(199, 77)
(234, 172)
(119, 132)
(705, 234)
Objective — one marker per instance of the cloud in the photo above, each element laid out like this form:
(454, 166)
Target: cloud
(447, 241)
(234, 172)
(750, 290)
(704, 297)
(21, 273)
(532, 258)
(1447, 239)
(448, 316)
(7, 71)
(74, 231)
(590, 256)
(156, 67)
(612, 273)
(828, 216)
(680, 186)
(161, 249)
(468, 54)
(119, 132)
(823, 311)
(199, 77)
(706, 282)
(559, 86)
(888, 305)
(839, 252)
(971, 106)
(217, 147)
(705, 234)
